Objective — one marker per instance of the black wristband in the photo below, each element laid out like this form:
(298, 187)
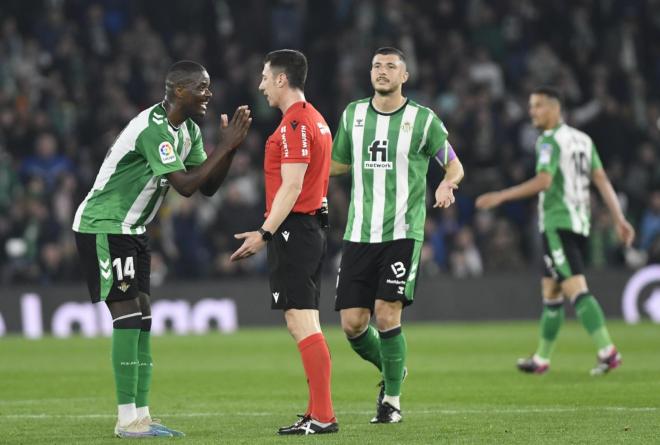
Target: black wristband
(265, 234)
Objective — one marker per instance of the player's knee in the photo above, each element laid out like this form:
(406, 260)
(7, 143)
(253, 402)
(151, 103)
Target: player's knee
(125, 314)
(574, 286)
(388, 314)
(145, 308)
(353, 326)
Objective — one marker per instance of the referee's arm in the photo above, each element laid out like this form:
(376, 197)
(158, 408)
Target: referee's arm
(293, 176)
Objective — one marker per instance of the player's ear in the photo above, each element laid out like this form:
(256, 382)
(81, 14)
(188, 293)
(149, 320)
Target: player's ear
(178, 91)
(405, 77)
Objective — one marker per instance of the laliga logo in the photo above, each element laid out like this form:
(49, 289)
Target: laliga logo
(632, 291)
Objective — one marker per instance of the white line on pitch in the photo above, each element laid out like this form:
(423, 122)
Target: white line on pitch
(417, 412)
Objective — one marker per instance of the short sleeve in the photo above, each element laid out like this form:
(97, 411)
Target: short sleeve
(157, 145)
(341, 146)
(296, 137)
(547, 156)
(595, 159)
(197, 155)
(436, 136)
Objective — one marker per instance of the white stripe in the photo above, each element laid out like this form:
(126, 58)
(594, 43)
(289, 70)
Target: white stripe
(186, 136)
(491, 410)
(124, 144)
(134, 314)
(426, 132)
(148, 317)
(138, 207)
(378, 186)
(358, 191)
(402, 152)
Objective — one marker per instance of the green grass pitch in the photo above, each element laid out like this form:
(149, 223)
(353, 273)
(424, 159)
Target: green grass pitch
(225, 389)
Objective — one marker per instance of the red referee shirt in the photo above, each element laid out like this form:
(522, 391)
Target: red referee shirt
(303, 136)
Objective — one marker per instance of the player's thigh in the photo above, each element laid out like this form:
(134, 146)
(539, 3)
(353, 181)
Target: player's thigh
(108, 261)
(563, 254)
(357, 278)
(397, 270)
(295, 259)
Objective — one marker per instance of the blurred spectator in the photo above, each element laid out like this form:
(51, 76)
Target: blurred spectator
(650, 227)
(73, 73)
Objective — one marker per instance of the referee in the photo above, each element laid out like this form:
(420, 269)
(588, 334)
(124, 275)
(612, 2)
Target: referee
(296, 169)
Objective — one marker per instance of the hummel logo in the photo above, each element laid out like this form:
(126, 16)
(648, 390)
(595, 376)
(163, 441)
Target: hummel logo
(106, 272)
(276, 296)
(359, 123)
(123, 286)
(286, 234)
(294, 124)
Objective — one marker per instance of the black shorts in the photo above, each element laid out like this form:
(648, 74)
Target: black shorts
(563, 254)
(295, 258)
(116, 267)
(385, 271)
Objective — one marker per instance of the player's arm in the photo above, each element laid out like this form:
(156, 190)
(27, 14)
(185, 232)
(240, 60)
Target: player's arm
(340, 162)
(212, 172)
(444, 194)
(338, 168)
(539, 183)
(624, 230)
(293, 175)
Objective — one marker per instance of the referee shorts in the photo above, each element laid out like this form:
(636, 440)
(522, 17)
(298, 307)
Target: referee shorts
(295, 259)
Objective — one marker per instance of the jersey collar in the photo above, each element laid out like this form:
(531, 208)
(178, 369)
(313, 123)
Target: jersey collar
(296, 106)
(371, 105)
(162, 105)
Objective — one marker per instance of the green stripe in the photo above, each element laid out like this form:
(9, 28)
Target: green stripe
(411, 282)
(563, 268)
(103, 257)
(418, 164)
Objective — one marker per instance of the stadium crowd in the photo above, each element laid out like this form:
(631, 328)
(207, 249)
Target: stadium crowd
(72, 76)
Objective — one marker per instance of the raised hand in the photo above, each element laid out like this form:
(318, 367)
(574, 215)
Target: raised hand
(233, 132)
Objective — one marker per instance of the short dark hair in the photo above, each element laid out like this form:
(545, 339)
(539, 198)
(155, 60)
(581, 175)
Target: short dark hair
(386, 50)
(549, 91)
(293, 63)
(182, 73)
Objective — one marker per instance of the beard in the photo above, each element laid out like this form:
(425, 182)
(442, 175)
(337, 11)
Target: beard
(385, 90)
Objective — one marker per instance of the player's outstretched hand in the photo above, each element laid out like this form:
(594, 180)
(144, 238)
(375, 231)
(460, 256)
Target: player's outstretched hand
(253, 243)
(233, 132)
(444, 194)
(625, 232)
(489, 200)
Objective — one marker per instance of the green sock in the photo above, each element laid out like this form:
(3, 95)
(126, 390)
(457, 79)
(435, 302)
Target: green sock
(393, 351)
(592, 318)
(145, 369)
(551, 321)
(367, 345)
(125, 363)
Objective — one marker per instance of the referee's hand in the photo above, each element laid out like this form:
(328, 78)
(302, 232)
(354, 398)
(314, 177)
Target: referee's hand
(253, 243)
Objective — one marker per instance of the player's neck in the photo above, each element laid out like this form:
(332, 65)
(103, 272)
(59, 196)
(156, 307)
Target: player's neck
(553, 124)
(289, 98)
(389, 102)
(174, 115)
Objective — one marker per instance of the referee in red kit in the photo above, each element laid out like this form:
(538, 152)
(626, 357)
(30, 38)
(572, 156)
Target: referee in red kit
(296, 169)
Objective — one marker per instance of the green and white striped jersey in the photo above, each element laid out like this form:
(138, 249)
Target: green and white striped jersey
(389, 154)
(570, 156)
(131, 183)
